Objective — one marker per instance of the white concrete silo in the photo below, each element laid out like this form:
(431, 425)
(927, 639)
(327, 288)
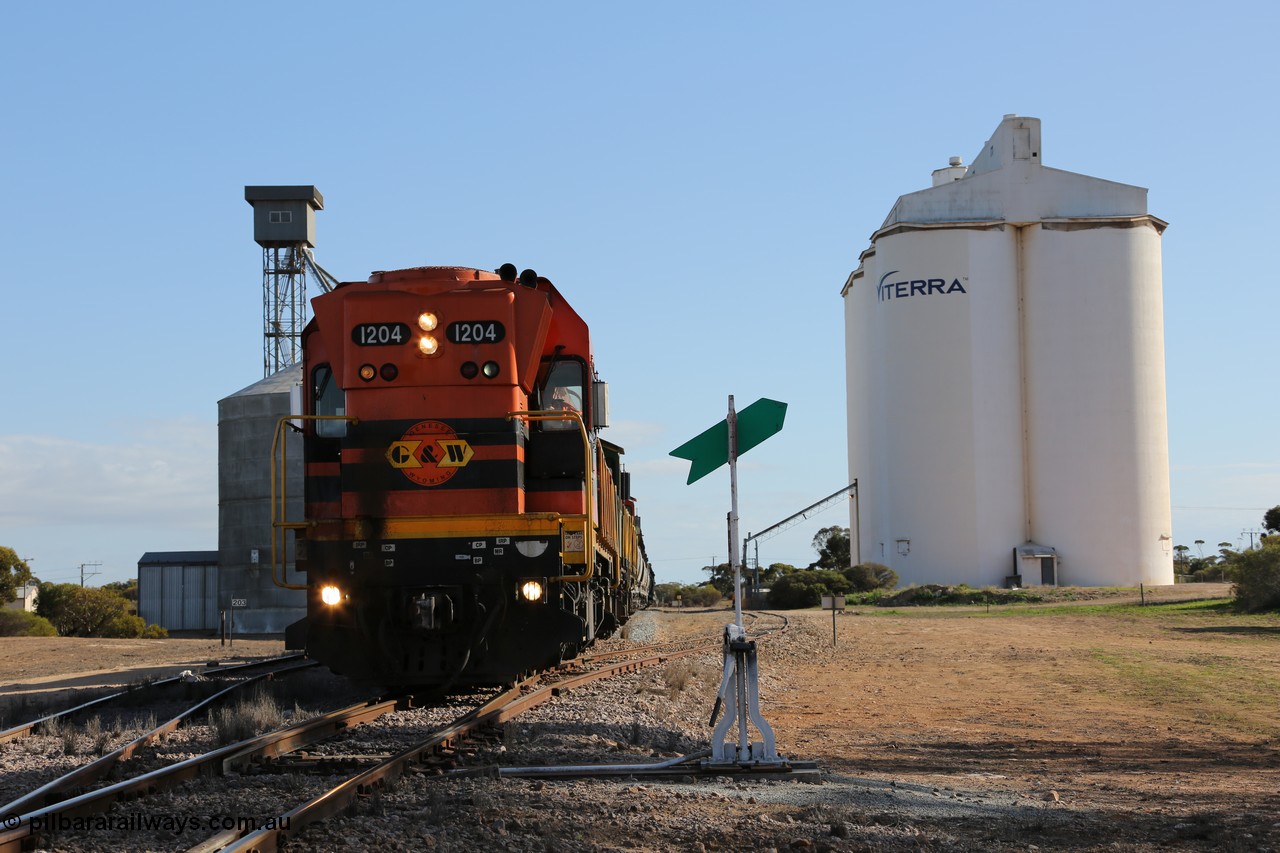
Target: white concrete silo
(1004, 337)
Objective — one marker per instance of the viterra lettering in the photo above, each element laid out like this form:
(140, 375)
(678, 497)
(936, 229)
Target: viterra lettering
(887, 290)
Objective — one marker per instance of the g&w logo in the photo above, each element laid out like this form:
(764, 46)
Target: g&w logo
(429, 453)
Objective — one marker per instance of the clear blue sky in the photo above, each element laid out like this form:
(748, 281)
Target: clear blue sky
(697, 178)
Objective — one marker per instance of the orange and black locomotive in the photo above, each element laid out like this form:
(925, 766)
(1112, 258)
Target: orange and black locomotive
(465, 523)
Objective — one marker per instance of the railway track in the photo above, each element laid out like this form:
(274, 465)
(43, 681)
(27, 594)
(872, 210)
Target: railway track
(69, 783)
(63, 753)
(300, 753)
(142, 693)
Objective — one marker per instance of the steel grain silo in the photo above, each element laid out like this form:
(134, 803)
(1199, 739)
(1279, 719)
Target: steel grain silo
(1004, 338)
(246, 428)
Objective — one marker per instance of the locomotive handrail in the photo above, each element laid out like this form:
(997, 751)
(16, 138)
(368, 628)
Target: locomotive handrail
(280, 509)
(589, 498)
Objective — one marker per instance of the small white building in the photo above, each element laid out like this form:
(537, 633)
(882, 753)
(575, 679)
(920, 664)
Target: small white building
(1004, 336)
(24, 598)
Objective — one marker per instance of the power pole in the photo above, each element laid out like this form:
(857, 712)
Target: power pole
(1250, 534)
(90, 574)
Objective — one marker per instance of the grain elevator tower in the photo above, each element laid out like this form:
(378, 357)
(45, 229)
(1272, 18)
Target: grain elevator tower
(284, 225)
(1005, 344)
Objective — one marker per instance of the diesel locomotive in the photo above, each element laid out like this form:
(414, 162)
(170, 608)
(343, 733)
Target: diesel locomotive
(465, 522)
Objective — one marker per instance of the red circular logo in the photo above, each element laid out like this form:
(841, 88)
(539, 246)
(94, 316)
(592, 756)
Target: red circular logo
(429, 453)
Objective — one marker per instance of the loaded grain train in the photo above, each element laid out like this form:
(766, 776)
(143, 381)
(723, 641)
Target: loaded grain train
(465, 522)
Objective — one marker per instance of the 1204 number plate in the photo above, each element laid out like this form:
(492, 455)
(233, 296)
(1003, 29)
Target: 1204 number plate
(475, 332)
(380, 334)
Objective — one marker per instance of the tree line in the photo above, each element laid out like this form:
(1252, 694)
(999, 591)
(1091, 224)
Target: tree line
(70, 610)
(789, 587)
(1254, 571)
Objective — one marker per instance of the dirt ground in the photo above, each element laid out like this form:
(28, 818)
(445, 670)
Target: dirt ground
(1121, 728)
(1152, 728)
(43, 664)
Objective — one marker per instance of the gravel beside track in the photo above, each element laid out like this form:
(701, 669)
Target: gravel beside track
(645, 717)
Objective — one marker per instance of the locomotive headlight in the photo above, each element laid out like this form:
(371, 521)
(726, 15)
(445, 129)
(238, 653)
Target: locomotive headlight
(427, 321)
(532, 590)
(428, 345)
(330, 594)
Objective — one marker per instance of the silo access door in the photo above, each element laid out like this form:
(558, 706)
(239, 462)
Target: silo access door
(1027, 557)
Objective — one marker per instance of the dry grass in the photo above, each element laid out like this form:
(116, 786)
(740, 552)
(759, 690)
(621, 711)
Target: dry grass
(71, 736)
(143, 725)
(50, 728)
(61, 731)
(70, 739)
(249, 717)
(98, 736)
(677, 675)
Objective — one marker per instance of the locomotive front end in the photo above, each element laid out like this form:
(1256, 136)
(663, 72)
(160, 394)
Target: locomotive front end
(453, 530)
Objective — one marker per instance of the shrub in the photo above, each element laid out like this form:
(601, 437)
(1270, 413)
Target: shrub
(704, 596)
(871, 597)
(665, 593)
(154, 632)
(868, 576)
(1213, 574)
(862, 577)
(20, 623)
(806, 587)
(961, 594)
(691, 596)
(77, 611)
(123, 626)
(1258, 577)
(790, 593)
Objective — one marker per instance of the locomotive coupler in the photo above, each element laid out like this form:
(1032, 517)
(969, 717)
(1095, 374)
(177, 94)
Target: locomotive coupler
(740, 695)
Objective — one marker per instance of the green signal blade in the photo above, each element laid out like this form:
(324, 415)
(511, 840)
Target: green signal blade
(708, 450)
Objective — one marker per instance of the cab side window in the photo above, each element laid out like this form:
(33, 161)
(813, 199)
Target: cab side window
(328, 398)
(563, 392)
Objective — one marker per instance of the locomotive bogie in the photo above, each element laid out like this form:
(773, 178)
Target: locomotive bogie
(424, 610)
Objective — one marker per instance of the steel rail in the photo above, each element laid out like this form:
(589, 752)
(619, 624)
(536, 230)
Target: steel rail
(592, 656)
(499, 710)
(18, 833)
(674, 644)
(25, 729)
(568, 772)
(100, 768)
